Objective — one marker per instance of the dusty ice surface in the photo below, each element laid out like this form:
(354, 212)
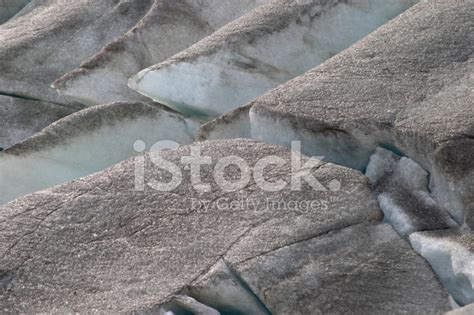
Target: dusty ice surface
(167, 28)
(247, 58)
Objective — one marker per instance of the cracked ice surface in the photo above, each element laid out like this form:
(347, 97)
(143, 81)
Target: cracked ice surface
(83, 143)
(405, 86)
(361, 269)
(168, 27)
(145, 246)
(451, 254)
(247, 57)
(402, 188)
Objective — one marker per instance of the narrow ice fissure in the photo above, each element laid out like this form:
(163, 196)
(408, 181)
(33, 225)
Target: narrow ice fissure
(34, 99)
(413, 181)
(228, 293)
(220, 291)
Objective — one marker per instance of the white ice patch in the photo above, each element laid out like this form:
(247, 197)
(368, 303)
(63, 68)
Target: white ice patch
(85, 154)
(452, 262)
(395, 215)
(217, 83)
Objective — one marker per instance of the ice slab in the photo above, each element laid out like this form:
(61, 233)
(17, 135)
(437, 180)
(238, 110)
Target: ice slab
(402, 189)
(8, 8)
(169, 27)
(451, 255)
(51, 37)
(84, 143)
(98, 244)
(259, 51)
(363, 269)
(408, 85)
(466, 310)
(21, 118)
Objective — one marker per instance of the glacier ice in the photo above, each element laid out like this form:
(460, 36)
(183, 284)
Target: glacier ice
(222, 289)
(86, 142)
(245, 59)
(233, 125)
(362, 269)
(183, 305)
(8, 8)
(48, 38)
(169, 27)
(451, 255)
(21, 118)
(375, 94)
(96, 244)
(402, 188)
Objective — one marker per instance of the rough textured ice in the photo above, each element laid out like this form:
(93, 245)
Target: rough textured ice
(99, 245)
(51, 37)
(362, 269)
(451, 254)
(8, 8)
(408, 85)
(402, 188)
(259, 51)
(169, 27)
(83, 143)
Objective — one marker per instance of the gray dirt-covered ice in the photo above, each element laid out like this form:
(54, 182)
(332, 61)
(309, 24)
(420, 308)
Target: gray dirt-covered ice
(451, 255)
(21, 118)
(364, 269)
(401, 186)
(406, 86)
(8, 8)
(169, 27)
(87, 142)
(51, 37)
(99, 244)
(261, 50)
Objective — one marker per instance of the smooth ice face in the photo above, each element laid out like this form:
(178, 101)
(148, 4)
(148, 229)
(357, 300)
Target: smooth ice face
(8, 8)
(58, 155)
(402, 188)
(169, 27)
(452, 257)
(245, 60)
